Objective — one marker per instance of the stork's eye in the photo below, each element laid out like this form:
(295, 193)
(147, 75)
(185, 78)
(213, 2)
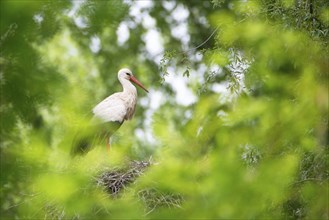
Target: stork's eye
(128, 74)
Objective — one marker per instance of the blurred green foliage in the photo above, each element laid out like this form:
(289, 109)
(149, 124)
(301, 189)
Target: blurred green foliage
(258, 151)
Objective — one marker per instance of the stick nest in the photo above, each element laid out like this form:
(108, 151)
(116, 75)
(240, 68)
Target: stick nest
(117, 179)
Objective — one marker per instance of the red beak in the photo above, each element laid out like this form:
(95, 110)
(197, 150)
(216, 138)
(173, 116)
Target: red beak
(134, 80)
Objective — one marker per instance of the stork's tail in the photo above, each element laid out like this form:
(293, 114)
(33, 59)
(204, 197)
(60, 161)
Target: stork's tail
(84, 141)
(80, 146)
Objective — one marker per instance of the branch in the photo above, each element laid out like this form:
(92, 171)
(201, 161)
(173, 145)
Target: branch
(200, 45)
(307, 180)
(197, 47)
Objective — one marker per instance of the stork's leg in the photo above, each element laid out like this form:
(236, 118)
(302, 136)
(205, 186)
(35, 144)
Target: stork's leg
(108, 144)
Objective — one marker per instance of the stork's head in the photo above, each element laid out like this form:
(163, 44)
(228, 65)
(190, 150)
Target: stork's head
(126, 74)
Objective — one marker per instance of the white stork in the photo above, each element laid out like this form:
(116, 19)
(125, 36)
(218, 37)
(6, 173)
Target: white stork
(109, 114)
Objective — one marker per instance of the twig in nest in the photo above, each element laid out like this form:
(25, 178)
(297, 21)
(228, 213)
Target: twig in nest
(154, 198)
(117, 179)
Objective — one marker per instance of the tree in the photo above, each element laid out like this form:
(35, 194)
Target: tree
(258, 149)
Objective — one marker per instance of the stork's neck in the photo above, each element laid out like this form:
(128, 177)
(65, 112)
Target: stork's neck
(128, 87)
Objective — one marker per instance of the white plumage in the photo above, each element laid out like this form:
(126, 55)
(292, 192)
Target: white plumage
(121, 105)
(109, 114)
(113, 108)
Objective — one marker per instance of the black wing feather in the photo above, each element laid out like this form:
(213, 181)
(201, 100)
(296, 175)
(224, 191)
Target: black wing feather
(85, 140)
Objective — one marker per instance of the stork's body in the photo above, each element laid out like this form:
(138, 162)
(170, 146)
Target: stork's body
(109, 114)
